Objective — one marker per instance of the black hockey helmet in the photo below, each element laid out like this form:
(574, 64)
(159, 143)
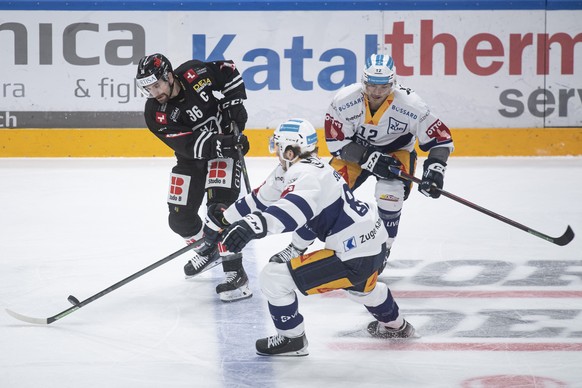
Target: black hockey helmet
(151, 69)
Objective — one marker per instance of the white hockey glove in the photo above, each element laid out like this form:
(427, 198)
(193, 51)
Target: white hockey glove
(213, 225)
(287, 254)
(239, 233)
(432, 178)
(378, 164)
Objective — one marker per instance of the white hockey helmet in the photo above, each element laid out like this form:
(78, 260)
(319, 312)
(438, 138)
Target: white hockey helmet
(379, 70)
(296, 133)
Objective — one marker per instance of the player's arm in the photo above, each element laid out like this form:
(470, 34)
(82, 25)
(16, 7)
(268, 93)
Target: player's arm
(193, 143)
(229, 82)
(338, 131)
(259, 199)
(435, 137)
(295, 207)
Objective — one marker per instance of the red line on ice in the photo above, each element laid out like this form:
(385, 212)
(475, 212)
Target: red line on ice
(413, 345)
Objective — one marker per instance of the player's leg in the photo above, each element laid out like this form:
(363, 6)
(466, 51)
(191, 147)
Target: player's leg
(223, 183)
(390, 195)
(185, 196)
(279, 288)
(378, 300)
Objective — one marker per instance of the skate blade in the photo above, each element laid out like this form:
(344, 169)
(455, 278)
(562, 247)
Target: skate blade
(241, 293)
(298, 353)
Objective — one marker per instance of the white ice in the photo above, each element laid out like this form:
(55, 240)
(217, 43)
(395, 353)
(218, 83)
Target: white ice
(494, 306)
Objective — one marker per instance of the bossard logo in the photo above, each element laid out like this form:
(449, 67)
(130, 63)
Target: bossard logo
(350, 244)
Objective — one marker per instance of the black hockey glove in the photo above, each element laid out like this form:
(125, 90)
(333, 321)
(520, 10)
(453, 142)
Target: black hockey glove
(225, 146)
(432, 178)
(378, 164)
(238, 234)
(234, 110)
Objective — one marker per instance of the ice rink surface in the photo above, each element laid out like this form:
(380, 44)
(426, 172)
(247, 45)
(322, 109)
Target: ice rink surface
(494, 305)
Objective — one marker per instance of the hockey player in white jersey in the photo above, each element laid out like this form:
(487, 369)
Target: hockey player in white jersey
(306, 196)
(375, 124)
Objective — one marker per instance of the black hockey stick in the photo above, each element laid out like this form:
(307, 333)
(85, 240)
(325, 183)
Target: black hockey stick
(78, 304)
(241, 157)
(562, 240)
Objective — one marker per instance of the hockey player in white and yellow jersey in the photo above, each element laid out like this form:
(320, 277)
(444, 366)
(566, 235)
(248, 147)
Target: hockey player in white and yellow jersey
(375, 124)
(306, 196)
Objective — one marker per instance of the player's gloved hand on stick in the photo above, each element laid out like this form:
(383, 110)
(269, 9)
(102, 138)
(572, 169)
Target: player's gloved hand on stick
(378, 163)
(432, 178)
(239, 233)
(214, 223)
(234, 110)
(225, 146)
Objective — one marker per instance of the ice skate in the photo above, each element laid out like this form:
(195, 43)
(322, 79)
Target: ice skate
(235, 286)
(201, 263)
(376, 329)
(277, 345)
(287, 254)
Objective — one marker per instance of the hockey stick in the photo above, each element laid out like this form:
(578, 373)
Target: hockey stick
(78, 304)
(564, 239)
(241, 157)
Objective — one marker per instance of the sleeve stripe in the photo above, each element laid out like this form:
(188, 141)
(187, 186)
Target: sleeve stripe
(231, 86)
(258, 203)
(288, 222)
(198, 148)
(301, 204)
(305, 234)
(242, 207)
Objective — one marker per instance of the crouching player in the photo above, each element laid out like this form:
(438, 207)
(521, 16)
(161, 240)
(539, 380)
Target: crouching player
(305, 195)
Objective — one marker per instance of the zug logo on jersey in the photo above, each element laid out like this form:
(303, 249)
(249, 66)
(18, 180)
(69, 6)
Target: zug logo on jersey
(395, 126)
(371, 234)
(350, 244)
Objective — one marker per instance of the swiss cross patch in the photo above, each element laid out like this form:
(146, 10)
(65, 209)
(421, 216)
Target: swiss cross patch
(333, 128)
(161, 118)
(190, 75)
(439, 131)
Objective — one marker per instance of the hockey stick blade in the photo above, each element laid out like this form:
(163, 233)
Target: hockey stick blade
(78, 304)
(561, 241)
(41, 321)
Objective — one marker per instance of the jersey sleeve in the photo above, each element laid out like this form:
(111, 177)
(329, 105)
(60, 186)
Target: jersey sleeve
(259, 199)
(297, 203)
(432, 132)
(338, 131)
(228, 79)
(183, 140)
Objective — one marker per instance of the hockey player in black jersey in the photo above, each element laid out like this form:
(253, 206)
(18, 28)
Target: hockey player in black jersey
(192, 110)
